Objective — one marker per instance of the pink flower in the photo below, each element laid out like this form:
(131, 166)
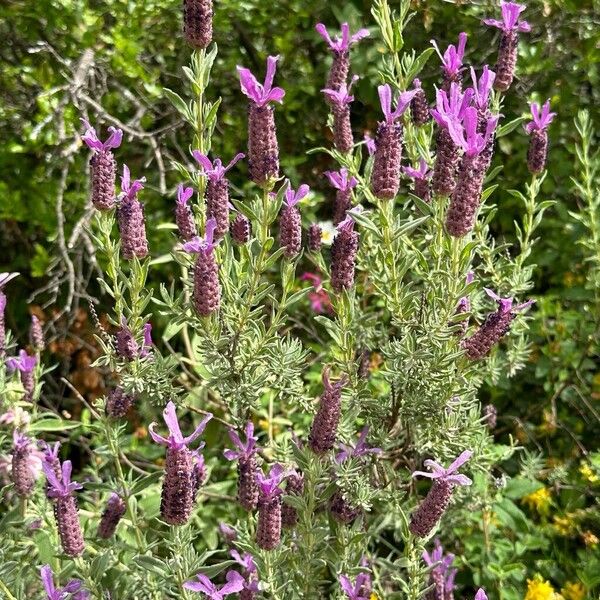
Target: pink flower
(90, 137)
(450, 474)
(343, 43)
(510, 18)
(453, 57)
(261, 95)
(235, 583)
(342, 95)
(176, 439)
(541, 118)
(385, 97)
(215, 170)
(465, 135)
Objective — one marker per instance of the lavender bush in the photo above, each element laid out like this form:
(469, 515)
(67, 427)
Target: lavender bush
(403, 280)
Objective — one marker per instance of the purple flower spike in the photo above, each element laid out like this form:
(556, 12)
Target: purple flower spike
(261, 95)
(357, 590)
(509, 41)
(183, 214)
(343, 184)
(495, 326)
(361, 448)
(90, 137)
(538, 143)
(452, 59)
(290, 221)
(63, 486)
(482, 87)
(385, 97)
(176, 439)
(53, 593)
(23, 473)
(268, 531)
(510, 19)
(441, 576)
(541, 118)
(197, 22)
(245, 454)
(481, 595)
(131, 218)
(341, 43)
(235, 583)
(431, 509)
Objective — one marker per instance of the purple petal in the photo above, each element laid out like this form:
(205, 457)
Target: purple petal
(184, 194)
(322, 31)
(385, 98)
(270, 76)
(47, 579)
(235, 583)
(494, 23)
(346, 585)
(234, 160)
(114, 140)
(249, 84)
(203, 160)
(209, 233)
(481, 595)
(193, 246)
(462, 458)
(170, 417)
(359, 35)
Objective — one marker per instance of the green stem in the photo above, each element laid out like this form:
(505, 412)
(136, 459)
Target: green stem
(6, 591)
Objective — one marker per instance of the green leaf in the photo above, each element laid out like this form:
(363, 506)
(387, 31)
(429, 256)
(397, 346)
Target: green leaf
(179, 103)
(53, 424)
(509, 127)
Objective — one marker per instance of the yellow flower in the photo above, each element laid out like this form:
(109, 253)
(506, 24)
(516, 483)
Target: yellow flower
(539, 500)
(573, 591)
(564, 525)
(588, 473)
(373, 596)
(538, 589)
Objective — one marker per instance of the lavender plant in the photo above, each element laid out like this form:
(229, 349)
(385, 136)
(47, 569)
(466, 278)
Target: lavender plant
(403, 281)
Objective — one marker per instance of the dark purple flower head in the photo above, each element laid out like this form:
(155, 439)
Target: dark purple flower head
(269, 486)
(453, 57)
(354, 591)
(244, 449)
(450, 474)
(385, 97)
(206, 244)
(176, 439)
(467, 137)
(340, 180)
(423, 173)
(53, 593)
(293, 197)
(130, 189)
(341, 96)
(90, 137)
(505, 305)
(342, 43)
(261, 95)
(246, 560)
(451, 106)
(510, 18)
(481, 595)
(184, 194)
(361, 448)
(541, 117)
(63, 487)
(24, 362)
(215, 170)
(235, 583)
(483, 87)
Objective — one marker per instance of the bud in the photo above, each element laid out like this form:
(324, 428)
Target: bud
(430, 511)
(263, 150)
(268, 529)
(118, 403)
(217, 204)
(177, 498)
(184, 217)
(343, 256)
(341, 510)
(36, 335)
(207, 290)
(419, 107)
(114, 511)
(315, 234)
(290, 231)
(241, 229)
(538, 151)
(22, 474)
(197, 22)
(324, 427)
(247, 482)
